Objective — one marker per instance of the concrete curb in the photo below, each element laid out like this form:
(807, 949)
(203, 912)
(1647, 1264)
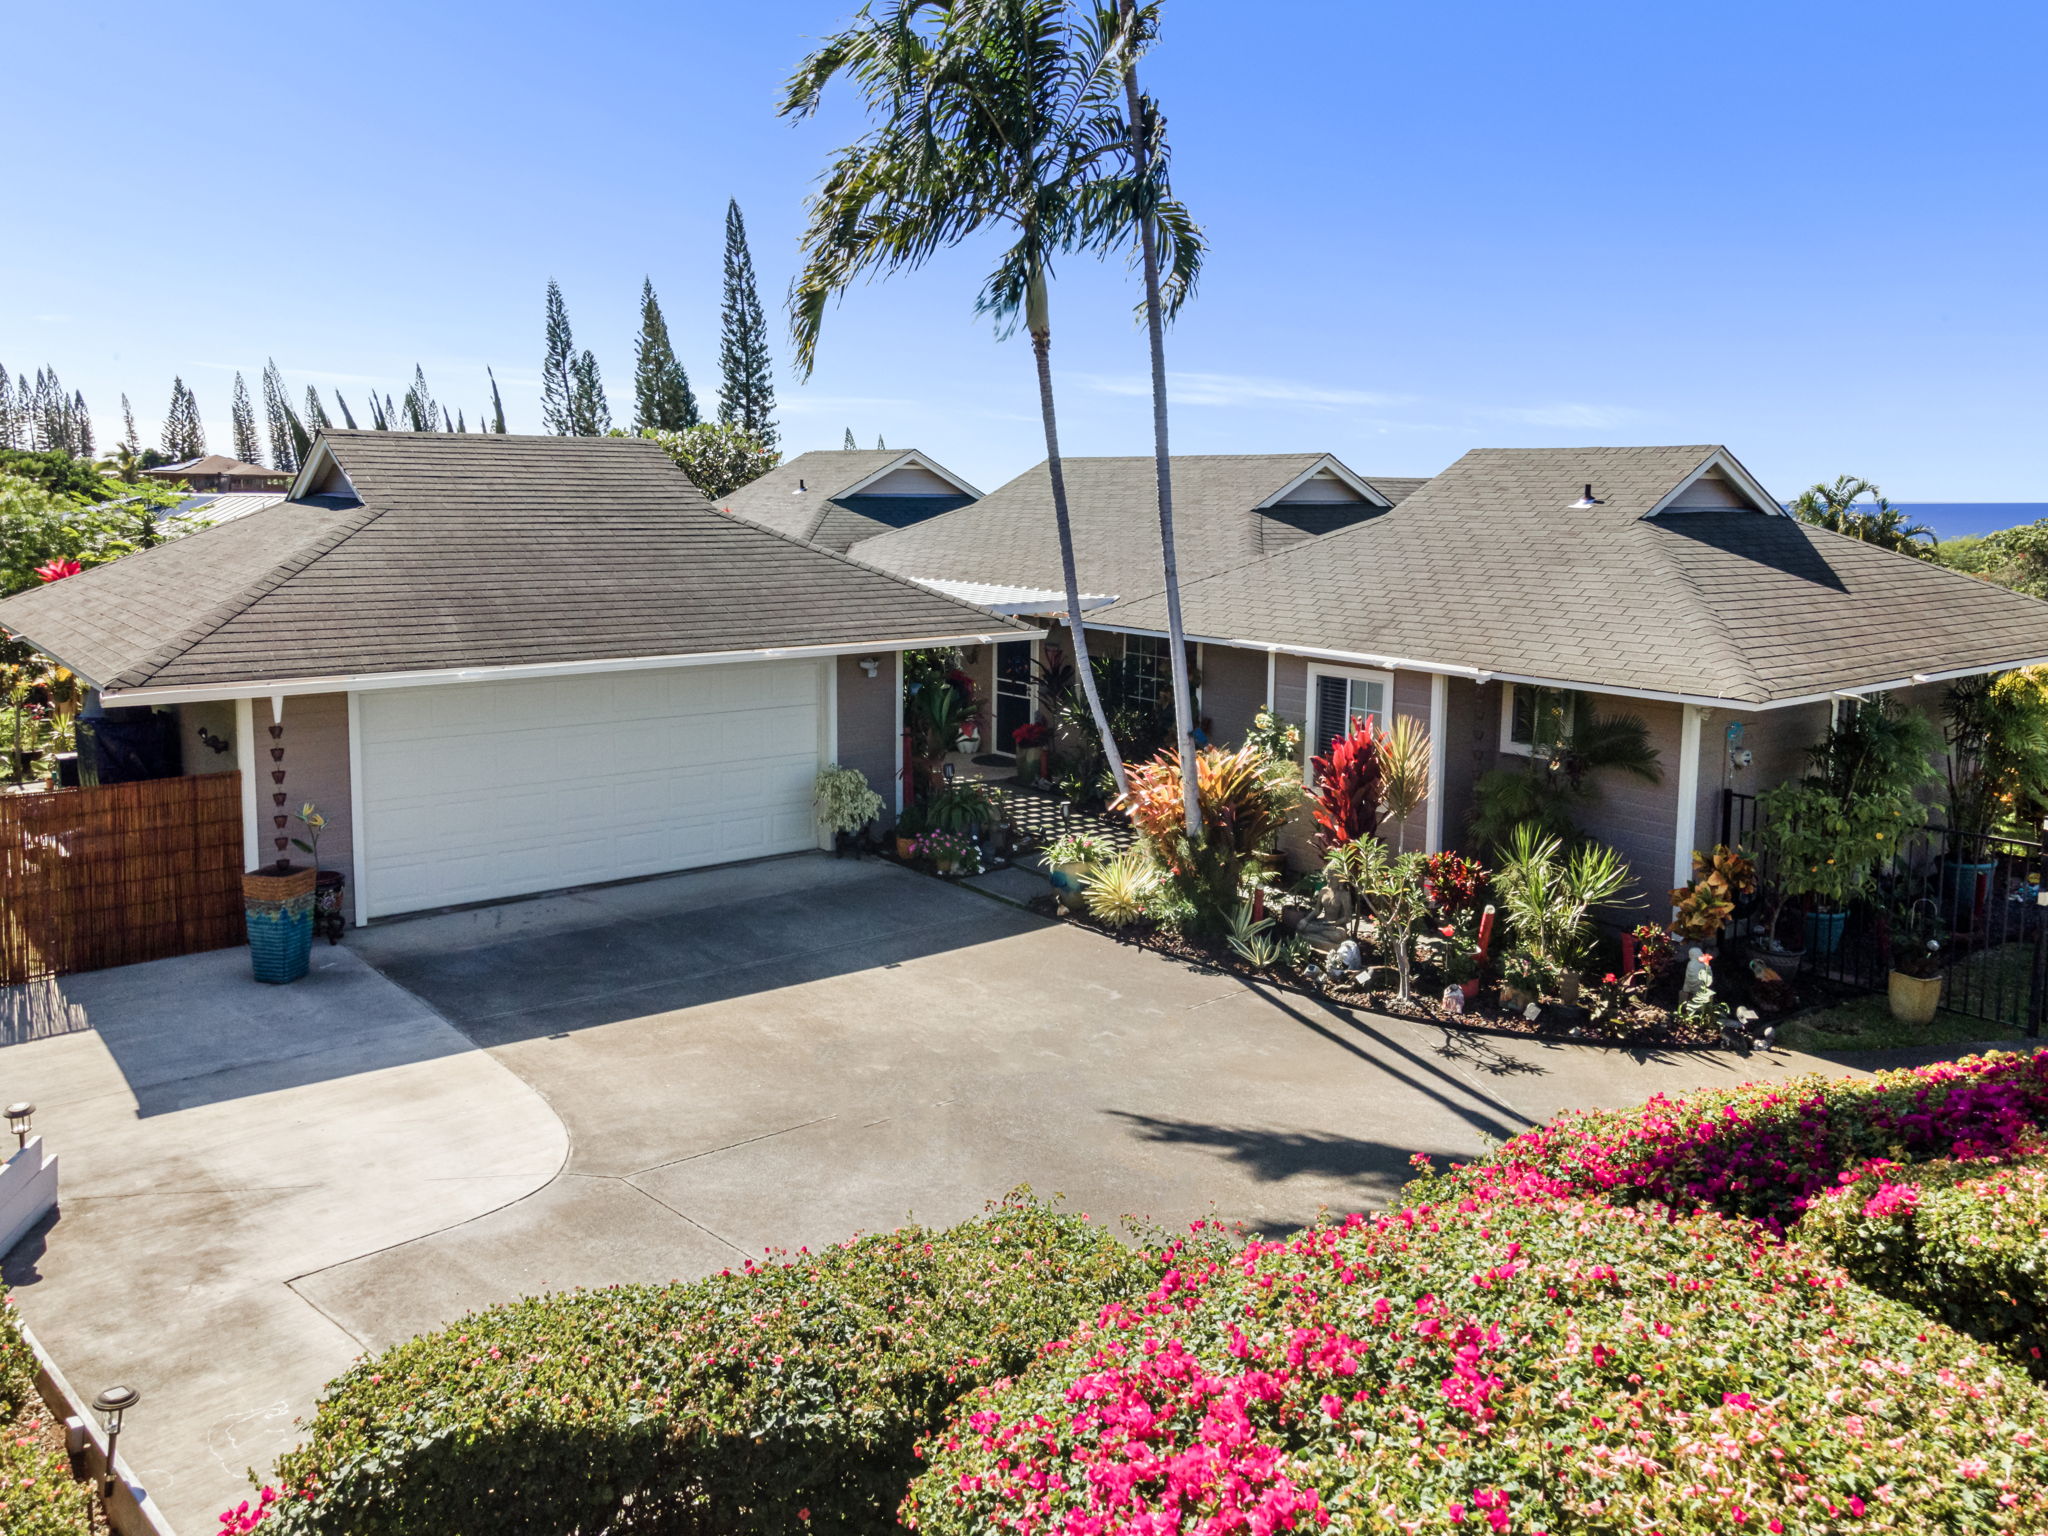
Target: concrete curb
(130, 1511)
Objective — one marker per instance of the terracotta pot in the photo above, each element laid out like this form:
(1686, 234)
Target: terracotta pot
(904, 850)
(1469, 988)
(1914, 999)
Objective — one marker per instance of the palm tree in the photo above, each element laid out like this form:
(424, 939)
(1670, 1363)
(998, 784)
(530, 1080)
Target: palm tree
(1835, 508)
(987, 113)
(1148, 152)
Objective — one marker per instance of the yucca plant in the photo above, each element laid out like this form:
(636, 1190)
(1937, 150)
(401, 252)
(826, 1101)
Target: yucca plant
(1549, 894)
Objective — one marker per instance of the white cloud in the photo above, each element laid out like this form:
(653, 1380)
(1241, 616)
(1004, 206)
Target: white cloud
(1236, 389)
(1598, 418)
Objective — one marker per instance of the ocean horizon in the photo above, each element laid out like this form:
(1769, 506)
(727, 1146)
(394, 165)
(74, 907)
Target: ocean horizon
(1954, 519)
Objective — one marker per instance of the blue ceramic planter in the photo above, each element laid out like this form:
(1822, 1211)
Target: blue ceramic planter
(278, 908)
(1824, 931)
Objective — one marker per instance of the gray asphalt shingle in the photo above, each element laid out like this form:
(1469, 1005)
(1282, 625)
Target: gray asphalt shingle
(471, 550)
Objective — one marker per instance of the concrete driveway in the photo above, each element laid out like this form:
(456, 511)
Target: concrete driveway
(656, 1080)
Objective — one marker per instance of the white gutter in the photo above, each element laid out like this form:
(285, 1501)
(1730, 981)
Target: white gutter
(364, 682)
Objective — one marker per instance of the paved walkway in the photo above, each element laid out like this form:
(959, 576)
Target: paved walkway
(654, 1080)
(218, 1140)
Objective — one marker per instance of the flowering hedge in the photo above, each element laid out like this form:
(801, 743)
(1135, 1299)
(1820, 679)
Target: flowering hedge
(38, 1495)
(785, 1396)
(1964, 1241)
(1518, 1363)
(1765, 1149)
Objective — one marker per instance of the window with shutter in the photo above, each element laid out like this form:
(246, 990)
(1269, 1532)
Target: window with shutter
(1340, 697)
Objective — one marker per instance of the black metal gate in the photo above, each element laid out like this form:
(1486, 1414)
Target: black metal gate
(1980, 897)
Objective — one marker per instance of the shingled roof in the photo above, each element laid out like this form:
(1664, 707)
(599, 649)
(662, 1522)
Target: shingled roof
(816, 496)
(469, 550)
(1009, 537)
(1490, 567)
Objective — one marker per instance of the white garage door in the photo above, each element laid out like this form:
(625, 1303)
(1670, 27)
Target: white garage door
(483, 790)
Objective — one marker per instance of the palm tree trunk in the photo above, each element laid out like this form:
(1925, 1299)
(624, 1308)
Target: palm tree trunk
(1041, 350)
(1162, 464)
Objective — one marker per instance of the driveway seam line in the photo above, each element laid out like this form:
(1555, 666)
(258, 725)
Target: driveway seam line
(747, 1141)
(680, 1215)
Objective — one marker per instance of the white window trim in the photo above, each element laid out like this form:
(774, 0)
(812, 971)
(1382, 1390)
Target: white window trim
(1508, 744)
(1318, 670)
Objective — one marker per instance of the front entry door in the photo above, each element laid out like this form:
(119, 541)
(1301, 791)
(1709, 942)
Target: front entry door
(1013, 693)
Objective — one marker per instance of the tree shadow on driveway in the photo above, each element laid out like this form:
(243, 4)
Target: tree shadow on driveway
(1270, 1156)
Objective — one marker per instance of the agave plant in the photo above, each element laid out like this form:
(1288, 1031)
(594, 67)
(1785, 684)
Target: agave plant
(1121, 891)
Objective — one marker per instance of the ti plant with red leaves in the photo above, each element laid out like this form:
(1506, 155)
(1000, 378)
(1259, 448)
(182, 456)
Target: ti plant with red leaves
(1347, 786)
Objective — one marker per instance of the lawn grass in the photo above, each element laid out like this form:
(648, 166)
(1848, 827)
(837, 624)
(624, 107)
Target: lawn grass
(1995, 978)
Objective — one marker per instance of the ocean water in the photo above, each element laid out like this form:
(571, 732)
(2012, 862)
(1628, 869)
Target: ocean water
(1953, 519)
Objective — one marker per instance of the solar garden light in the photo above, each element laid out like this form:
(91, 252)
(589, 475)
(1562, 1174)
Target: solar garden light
(111, 1404)
(18, 1117)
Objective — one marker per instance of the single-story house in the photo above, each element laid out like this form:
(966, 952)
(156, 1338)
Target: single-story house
(842, 496)
(218, 472)
(1662, 582)
(506, 664)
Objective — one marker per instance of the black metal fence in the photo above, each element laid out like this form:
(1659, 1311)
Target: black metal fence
(1979, 897)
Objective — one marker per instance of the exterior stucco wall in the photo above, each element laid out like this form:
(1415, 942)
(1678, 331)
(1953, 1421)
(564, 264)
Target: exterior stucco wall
(867, 722)
(217, 718)
(315, 746)
(1233, 690)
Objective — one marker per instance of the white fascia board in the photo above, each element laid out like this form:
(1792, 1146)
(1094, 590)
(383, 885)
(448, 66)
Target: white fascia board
(1729, 465)
(1335, 466)
(908, 456)
(320, 458)
(367, 682)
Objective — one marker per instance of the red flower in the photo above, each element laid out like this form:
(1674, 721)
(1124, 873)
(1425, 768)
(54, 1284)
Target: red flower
(57, 570)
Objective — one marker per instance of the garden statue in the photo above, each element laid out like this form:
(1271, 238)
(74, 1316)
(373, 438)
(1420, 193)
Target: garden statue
(1334, 905)
(1699, 972)
(1348, 957)
(1454, 999)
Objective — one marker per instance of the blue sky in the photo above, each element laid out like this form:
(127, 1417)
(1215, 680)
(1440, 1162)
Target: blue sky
(1815, 232)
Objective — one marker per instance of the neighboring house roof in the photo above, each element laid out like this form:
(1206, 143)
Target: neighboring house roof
(842, 497)
(468, 551)
(223, 507)
(1227, 509)
(1686, 581)
(212, 464)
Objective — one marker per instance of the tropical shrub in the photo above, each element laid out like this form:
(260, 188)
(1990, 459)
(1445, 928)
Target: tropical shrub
(1452, 882)
(846, 802)
(1122, 891)
(1347, 786)
(1548, 895)
(1764, 1150)
(1390, 885)
(1516, 1362)
(1966, 1241)
(1275, 736)
(38, 1495)
(1404, 774)
(1707, 902)
(1246, 798)
(784, 1397)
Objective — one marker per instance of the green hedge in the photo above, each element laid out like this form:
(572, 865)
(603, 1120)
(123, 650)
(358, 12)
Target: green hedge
(1516, 1363)
(1963, 1241)
(785, 1397)
(38, 1495)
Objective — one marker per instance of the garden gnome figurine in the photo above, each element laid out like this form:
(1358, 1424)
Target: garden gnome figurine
(1454, 999)
(1698, 973)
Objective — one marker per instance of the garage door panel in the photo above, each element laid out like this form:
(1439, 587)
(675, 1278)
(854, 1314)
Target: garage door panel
(498, 789)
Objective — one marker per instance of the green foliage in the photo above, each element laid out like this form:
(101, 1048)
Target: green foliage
(964, 806)
(1275, 737)
(1964, 1241)
(1840, 509)
(2012, 557)
(1548, 894)
(1123, 891)
(846, 802)
(786, 1397)
(184, 437)
(572, 402)
(1390, 885)
(38, 1496)
(662, 398)
(242, 416)
(746, 388)
(60, 474)
(1560, 780)
(290, 443)
(1245, 798)
(1508, 1363)
(718, 458)
(1996, 728)
(1877, 748)
(1827, 848)
(38, 526)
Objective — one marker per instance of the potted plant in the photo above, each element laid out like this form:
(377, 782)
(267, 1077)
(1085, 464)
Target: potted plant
(1070, 856)
(277, 899)
(911, 824)
(1825, 849)
(949, 853)
(1996, 732)
(1719, 881)
(1523, 976)
(327, 919)
(845, 803)
(1031, 739)
(1916, 974)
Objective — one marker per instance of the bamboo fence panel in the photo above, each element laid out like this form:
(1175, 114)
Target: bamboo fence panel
(91, 878)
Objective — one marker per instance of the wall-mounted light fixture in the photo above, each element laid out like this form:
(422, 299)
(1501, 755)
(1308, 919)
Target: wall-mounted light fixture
(212, 742)
(871, 665)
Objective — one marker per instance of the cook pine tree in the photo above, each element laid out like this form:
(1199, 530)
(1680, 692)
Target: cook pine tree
(746, 392)
(662, 398)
